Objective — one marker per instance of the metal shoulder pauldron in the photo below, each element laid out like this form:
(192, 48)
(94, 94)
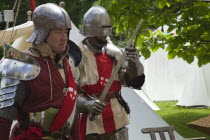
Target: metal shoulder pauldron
(18, 65)
(14, 67)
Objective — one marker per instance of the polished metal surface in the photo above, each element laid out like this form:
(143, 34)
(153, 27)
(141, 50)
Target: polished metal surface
(47, 17)
(18, 65)
(7, 96)
(7, 103)
(8, 89)
(8, 82)
(96, 22)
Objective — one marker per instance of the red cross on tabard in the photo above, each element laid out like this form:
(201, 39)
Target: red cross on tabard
(103, 81)
(72, 93)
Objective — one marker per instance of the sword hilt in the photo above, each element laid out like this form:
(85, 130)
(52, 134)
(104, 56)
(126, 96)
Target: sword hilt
(92, 117)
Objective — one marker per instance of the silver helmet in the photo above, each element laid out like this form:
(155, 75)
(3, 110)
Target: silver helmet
(96, 22)
(45, 18)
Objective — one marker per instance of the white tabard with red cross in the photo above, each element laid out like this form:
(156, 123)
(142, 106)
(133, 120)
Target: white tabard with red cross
(95, 71)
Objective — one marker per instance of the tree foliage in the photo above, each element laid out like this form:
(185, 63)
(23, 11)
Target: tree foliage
(75, 8)
(188, 21)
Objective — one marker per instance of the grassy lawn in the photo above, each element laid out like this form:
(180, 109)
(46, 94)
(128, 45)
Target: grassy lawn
(179, 116)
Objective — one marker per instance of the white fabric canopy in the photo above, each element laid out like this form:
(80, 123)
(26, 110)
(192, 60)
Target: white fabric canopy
(142, 116)
(176, 80)
(197, 86)
(146, 99)
(75, 35)
(18, 34)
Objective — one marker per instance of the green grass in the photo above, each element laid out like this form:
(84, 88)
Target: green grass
(179, 116)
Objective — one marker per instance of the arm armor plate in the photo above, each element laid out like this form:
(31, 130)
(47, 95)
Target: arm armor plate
(12, 94)
(7, 92)
(18, 65)
(14, 67)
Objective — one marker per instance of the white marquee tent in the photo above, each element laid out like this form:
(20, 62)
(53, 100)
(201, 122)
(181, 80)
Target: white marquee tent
(142, 116)
(176, 80)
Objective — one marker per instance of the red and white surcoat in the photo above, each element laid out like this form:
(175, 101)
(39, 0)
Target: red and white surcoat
(95, 70)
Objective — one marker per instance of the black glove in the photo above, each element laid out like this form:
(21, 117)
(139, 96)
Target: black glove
(132, 56)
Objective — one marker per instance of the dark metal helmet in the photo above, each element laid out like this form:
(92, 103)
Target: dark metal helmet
(96, 22)
(45, 18)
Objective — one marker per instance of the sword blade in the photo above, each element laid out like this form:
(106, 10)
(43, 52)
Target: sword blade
(117, 67)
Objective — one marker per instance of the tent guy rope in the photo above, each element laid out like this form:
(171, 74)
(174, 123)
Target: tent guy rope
(11, 16)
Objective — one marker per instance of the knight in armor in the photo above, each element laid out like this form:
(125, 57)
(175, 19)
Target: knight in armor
(99, 58)
(38, 87)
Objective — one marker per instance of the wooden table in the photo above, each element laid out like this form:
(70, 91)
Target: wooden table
(202, 124)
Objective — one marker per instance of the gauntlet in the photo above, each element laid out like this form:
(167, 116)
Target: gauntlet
(86, 103)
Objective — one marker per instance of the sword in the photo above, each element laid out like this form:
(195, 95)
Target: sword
(117, 67)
